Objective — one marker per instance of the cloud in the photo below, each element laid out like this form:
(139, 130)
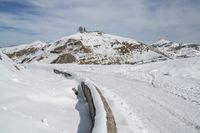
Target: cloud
(14, 29)
(144, 20)
(17, 8)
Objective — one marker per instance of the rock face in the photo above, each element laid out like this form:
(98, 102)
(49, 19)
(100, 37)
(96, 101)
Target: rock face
(64, 58)
(89, 98)
(22, 52)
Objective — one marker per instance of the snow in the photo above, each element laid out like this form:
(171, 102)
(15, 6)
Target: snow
(36, 100)
(103, 48)
(160, 97)
(100, 117)
(36, 44)
(157, 97)
(94, 38)
(162, 41)
(178, 49)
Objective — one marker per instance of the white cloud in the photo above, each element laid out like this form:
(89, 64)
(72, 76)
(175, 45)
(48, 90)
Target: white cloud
(144, 20)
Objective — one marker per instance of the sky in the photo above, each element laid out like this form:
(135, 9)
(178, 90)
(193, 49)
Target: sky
(26, 21)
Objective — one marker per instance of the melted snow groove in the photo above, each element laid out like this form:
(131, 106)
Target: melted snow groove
(110, 121)
(111, 124)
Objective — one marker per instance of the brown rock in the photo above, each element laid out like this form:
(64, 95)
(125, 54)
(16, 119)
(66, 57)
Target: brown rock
(64, 58)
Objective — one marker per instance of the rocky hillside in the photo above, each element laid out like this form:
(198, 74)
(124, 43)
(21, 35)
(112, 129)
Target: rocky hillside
(99, 48)
(6, 65)
(178, 50)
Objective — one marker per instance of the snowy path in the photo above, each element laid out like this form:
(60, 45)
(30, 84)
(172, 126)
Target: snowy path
(161, 97)
(157, 98)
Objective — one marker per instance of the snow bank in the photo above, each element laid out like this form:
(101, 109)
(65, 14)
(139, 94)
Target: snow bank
(100, 117)
(36, 100)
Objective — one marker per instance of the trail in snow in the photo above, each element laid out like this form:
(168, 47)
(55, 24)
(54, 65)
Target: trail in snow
(157, 98)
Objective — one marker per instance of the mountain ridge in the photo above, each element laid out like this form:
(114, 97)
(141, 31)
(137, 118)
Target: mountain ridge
(99, 48)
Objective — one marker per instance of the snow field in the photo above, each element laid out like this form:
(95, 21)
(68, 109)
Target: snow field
(163, 97)
(37, 100)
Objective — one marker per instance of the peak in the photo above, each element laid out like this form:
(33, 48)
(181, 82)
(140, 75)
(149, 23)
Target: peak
(37, 42)
(162, 41)
(97, 37)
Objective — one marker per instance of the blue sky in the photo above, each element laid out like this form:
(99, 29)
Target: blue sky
(25, 21)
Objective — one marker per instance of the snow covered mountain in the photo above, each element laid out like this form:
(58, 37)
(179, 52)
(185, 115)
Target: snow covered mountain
(6, 64)
(99, 48)
(159, 97)
(179, 50)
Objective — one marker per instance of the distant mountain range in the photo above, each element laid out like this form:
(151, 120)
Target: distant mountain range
(100, 48)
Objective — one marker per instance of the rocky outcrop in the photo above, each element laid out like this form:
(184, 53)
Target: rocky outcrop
(127, 48)
(22, 52)
(89, 98)
(93, 47)
(64, 58)
(59, 50)
(63, 73)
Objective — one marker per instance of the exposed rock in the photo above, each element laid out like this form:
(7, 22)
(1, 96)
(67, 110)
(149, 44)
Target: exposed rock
(0, 57)
(61, 72)
(195, 46)
(57, 42)
(59, 50)
(25, 60)
(85, 49)
(46, 46)
(23, 52)
(64, 58)
(41, 58)
(75, 91)
(93, 48)
(89, 98)
(31, 59)
(17, 68)
(75, 43)
(129, 47)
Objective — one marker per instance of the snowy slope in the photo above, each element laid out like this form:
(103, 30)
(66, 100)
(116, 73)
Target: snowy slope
(86, 48)
(96, 47)
(162, 97)
(36, 100)
(178, 49)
